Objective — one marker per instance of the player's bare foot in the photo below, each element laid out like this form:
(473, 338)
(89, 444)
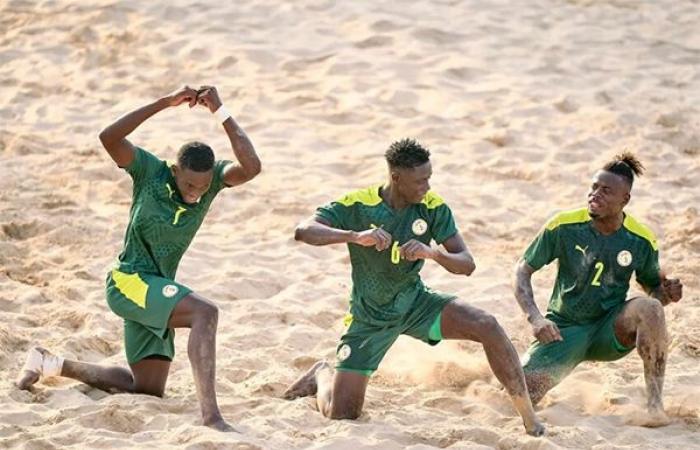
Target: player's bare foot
(532, 424)
(535, 429)
(655, 418)
(306, 384)
(27, 379)
(652, 417)
(220, 424)
(40, 363)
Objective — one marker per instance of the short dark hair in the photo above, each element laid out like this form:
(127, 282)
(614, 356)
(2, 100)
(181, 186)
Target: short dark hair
(196, 156)
(626, 165)
(407, 154)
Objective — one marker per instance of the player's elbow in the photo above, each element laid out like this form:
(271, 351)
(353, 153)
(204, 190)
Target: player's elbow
(522, 269)
(104, 137)
(300, 232)
(252, 169)
(255, 168)
(469, 267)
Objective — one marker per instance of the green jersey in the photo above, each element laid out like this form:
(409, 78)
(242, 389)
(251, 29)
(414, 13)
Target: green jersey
(161, 226)
(384, 285)
(594, 269)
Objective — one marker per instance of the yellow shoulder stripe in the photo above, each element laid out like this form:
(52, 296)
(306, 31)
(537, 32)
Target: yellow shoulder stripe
(568, 217)
(131, 286)
(368, 196)
(432, 200)
(640, 230)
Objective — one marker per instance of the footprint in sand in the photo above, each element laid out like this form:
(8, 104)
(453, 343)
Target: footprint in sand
(386, 25)
(374, 41)
(57, 203)
(21, 231)
(448, 404)
(463, 73)
(270, 389)
(436, 36)
(566, 106)
(304, 362)
(235, 375)
(227, 62)
(114, 418)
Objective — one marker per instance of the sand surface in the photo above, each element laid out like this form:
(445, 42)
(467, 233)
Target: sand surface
(519, 102)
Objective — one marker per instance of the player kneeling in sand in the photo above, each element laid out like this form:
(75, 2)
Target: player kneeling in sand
(168, 206)
(389, 230)
(588, 318)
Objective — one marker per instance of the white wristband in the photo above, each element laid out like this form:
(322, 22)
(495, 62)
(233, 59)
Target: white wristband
(222, 114)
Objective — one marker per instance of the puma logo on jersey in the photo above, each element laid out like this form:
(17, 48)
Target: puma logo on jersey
(581, 249)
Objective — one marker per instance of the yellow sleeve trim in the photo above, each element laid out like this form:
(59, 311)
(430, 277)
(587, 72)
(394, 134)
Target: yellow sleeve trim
(640, 230)
(568, 217)
(368, 196)
(131, 286)
(432, 200)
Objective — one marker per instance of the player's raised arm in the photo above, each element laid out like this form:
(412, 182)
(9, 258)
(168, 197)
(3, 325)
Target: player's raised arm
(249, 165)
(113, 137)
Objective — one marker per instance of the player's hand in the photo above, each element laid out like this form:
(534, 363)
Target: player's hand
(208, 97)
(377, 237)
(182, 95)
(546, 331)
(671, 290)
(413, 250)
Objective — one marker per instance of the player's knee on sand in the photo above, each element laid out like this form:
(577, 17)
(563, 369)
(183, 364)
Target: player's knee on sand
(538, 384)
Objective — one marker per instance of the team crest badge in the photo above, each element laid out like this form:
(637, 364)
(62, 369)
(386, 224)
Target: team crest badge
(169, 290)
(419, 227)
(343, 352)
(624, 258)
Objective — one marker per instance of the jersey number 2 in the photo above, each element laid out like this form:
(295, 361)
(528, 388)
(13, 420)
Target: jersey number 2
(599, 267)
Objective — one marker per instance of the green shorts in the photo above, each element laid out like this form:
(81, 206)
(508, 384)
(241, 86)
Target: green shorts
(145, 302)
(594, 341)
(363, 346)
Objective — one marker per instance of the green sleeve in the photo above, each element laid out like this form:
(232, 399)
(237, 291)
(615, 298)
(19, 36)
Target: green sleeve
(334, 213)
(443, 225)
(543, 250)
(144, 165)
(648, 274)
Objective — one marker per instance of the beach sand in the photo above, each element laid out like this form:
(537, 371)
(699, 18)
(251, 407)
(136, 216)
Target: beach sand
(519, 102)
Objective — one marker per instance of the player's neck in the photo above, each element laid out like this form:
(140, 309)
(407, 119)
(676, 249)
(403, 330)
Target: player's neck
(392, 198)
(609, 225)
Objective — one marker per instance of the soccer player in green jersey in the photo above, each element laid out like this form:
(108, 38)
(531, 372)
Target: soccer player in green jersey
(169, 204)
(388, 230)
(588, 317)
